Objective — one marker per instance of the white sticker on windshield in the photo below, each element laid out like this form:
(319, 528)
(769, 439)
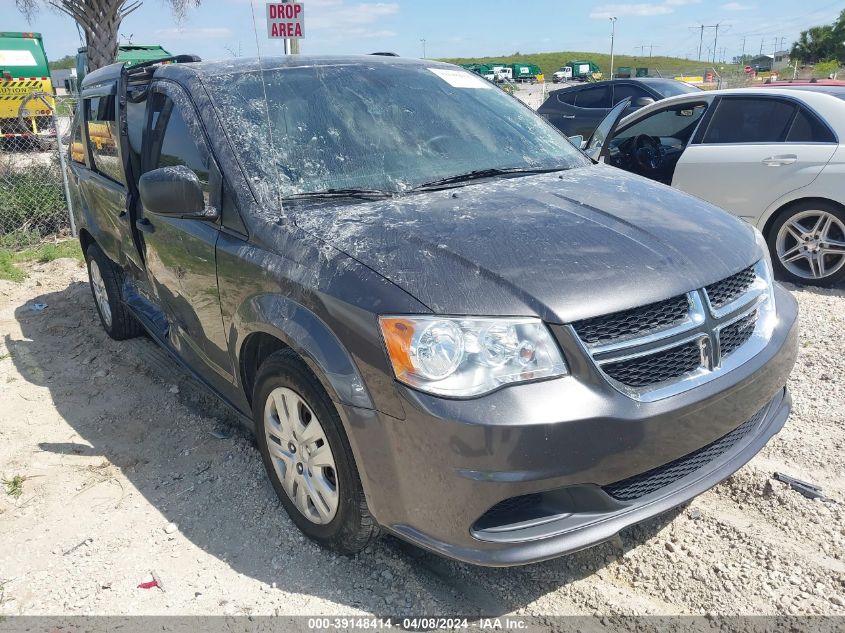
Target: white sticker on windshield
(461, 78)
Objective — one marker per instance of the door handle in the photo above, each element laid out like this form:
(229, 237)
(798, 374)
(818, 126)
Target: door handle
(145, 226)
(777, 161)
(567, 116)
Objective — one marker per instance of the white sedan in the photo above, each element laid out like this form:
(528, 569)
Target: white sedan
(773, 157)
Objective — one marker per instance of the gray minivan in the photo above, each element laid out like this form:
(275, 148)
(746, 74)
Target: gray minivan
(440, 318)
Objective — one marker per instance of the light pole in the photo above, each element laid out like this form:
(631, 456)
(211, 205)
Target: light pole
(612, 35)
(423, 45)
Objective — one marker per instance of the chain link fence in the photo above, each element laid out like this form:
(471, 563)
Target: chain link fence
(33, 200)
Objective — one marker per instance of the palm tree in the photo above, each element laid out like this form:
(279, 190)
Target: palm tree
(100, 20)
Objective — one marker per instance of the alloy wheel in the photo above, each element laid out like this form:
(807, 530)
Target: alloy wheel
(100, 294)
(301, 455)
(811, 244)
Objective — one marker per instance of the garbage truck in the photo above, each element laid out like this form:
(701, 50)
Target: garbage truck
(129, 54)
(26, 92)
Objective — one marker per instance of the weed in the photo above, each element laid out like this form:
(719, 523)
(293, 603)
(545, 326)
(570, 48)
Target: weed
(14, 486)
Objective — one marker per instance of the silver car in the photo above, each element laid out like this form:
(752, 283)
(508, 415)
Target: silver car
(770, 156)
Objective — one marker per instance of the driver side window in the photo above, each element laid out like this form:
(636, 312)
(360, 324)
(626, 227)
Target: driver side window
(176, 138)
(677, 122)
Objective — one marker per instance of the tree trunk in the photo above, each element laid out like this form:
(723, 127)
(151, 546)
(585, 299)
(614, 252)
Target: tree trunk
(100, 19)
(102, 44)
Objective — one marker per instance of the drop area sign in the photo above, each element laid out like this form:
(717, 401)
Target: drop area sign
(285, 20)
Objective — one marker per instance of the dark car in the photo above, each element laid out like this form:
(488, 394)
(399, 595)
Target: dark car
(577, 110)
(440, 318)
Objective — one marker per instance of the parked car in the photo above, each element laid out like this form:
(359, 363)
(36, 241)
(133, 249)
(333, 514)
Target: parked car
(577, 110)
(440, 318)
(770, 156)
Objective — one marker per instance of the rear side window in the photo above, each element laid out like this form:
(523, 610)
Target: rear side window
(623, 91)
(598, 97)
(750, 120)
(103, 137)
(808, 129)
(77, 148)
(567, 96)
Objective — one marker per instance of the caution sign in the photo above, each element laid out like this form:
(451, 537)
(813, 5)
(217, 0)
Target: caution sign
(285, 20)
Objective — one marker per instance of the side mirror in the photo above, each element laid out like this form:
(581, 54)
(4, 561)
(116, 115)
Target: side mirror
(577, 141)
(175, 192)
(641, 102)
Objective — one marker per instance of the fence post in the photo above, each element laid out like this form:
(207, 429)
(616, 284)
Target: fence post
(61, 150)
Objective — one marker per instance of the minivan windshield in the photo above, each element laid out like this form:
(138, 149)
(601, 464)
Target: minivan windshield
(380, 127)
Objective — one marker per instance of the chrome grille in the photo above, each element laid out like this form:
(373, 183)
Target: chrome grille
(729, 290)
(631, 323)
(667, 347)
(653, 480)
(661, 366)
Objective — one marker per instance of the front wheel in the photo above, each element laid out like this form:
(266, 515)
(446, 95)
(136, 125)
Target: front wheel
(807, 243)
(104, 275)
(307, 456)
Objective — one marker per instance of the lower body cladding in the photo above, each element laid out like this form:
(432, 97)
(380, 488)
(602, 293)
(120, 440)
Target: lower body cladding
(543, 469)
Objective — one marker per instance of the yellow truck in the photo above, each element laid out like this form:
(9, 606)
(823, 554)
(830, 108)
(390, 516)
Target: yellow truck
(26, 92)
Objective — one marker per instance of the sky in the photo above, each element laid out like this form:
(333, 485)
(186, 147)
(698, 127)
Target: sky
(221, 29)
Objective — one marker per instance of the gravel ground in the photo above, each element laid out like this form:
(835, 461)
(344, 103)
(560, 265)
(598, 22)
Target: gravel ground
(133, 473)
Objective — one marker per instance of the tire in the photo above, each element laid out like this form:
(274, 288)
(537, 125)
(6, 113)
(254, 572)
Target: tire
(283, 378)
(798, 242)
(103, 276)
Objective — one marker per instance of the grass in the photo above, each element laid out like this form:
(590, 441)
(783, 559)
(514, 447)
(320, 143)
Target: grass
(14, 486)
(42, 254)
(550, 62)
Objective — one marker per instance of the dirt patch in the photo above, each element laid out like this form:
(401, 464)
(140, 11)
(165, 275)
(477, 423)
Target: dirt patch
(131, 473)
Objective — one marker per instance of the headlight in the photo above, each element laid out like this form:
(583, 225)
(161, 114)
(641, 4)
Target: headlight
(461, 357)
(763, 246)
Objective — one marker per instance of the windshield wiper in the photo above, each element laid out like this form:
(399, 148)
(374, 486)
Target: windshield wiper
(486, 173)
(362, 194)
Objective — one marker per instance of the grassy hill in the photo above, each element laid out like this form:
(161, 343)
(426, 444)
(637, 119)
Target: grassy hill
(550, 62)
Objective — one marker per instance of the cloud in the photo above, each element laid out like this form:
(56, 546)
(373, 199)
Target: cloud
(737, 6)
(340, 15)
(638, 10)
(195, 33)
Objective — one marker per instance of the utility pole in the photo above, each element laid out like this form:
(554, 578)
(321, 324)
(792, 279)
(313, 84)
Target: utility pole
(612, 36)
(700, 28)
(422, 40)
(742, 57)
(700, 42)
(715, 41)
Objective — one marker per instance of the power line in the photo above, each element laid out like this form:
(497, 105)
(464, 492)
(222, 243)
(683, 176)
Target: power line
(650, 48)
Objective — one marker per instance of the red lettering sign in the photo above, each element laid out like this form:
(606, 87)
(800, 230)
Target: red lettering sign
(285, 19)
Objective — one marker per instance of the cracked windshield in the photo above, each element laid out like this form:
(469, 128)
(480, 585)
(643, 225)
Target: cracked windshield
(383, 128)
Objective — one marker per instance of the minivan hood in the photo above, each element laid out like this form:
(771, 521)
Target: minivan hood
(561, 246)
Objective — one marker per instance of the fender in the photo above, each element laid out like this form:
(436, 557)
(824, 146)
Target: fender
(310, 337)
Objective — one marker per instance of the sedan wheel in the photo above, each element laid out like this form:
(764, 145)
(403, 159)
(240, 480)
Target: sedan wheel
(301, 455)
(810, 245)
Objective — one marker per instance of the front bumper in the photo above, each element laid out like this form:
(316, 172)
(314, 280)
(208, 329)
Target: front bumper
(566, 444)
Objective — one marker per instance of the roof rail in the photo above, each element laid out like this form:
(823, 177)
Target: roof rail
(173, 59)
